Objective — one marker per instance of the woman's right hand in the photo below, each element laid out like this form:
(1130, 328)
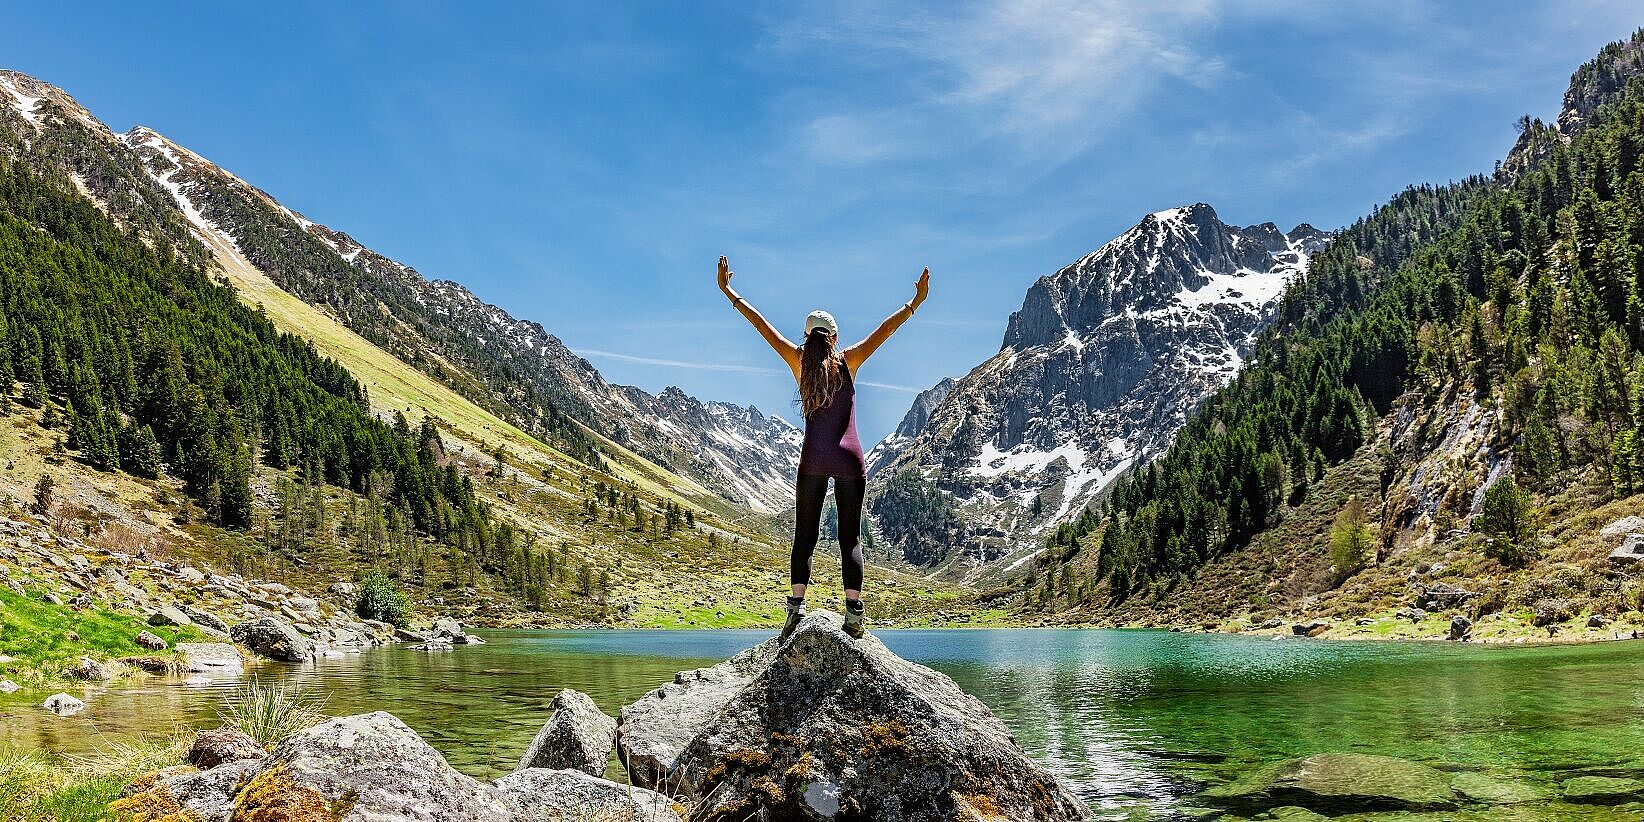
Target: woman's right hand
(725, 273)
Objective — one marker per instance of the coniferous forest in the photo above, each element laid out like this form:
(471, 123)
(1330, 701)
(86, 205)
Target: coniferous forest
(1524, 289)
(158, 367)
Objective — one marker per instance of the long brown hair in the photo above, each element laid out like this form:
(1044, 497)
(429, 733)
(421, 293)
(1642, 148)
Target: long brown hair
(821, 372)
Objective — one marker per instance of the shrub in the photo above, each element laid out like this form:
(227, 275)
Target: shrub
(382, 600)
(270, 713)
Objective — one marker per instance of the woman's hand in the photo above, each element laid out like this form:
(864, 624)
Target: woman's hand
(725, 273)
(921, 288)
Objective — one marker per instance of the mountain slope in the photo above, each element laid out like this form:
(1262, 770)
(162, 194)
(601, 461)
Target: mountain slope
(513, 367)
(1096, 372)
(1447, 415)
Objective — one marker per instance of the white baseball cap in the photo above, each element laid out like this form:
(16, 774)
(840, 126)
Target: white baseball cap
(821, 319)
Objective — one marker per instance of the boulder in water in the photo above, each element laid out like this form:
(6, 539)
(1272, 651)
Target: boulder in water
(541, 793)
(371, 764)
(210, 657)
(823, 726)
(1336, 783)
(273, 639)
(63, 704)
(577, 735)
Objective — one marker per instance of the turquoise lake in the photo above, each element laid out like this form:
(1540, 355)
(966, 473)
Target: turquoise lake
(1137, 721)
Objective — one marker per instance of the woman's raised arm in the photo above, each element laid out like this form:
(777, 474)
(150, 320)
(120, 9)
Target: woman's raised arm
(859, 353)
(789, 351)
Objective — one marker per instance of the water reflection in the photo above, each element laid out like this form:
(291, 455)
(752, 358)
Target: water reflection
(1134, 719)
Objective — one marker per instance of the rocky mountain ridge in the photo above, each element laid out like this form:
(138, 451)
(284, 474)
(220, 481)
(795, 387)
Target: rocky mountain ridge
(1096, 372)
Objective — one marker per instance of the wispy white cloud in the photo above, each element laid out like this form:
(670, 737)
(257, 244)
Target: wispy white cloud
(1045, 77)
(663, 362)
(668, 363)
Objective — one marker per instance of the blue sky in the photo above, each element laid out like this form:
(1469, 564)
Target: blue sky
(583, 165)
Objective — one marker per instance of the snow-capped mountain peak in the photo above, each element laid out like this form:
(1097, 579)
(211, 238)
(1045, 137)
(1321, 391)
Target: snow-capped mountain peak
(1096, 373)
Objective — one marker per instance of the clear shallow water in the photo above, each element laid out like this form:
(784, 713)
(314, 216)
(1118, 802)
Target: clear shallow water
(1134, 719)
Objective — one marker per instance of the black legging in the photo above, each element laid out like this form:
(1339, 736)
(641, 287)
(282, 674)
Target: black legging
(847, 494)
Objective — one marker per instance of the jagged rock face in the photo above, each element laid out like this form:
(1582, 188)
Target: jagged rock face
(824, 727)
(913, 422)
(1098, 370)
(540, 793)
(1595, 83)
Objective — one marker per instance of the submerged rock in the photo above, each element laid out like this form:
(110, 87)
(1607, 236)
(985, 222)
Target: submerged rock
(823, 726)
(541, 793)
(63, 704)
(1603, 790)
(577, 735)
(1336, 783)
(273, 639)
(365, 767)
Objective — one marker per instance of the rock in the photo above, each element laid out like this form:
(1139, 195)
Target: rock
(469, 639)
(1490, 790)
(303, 604)
(190, 574)
(432, 645)
(1336, 783)
(408, 635)
(185, 794)
(151, 642)
(63, 704)
(448, 629)
(1412, 614)
(9, 687)
(204, 619)
(1602, 790)
(210, 657)
(273, 639)
(1552, 611)
(789, 730)
(1597, 621)
(1363, 621)
(1310, 628)
(1622, 527)
(1460, 627)
(152, 664)
(371, 764)
(169, 615)
(1443, 595)
(1275, 622)
(540, 793)
(223, 745)
(577, 735)
(90, 670)
(342, 590)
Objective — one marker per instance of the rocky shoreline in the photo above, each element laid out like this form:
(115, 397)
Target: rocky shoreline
(815, 727)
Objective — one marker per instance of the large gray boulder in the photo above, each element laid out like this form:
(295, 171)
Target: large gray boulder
(205, 620)
(1336, 783)
(577, 735)
(273, 639)
(540, 793)
(200, 796)
(365, 768)
(210, 657)
(823, 726)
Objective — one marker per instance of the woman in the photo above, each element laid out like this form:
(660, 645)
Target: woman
(827, 394)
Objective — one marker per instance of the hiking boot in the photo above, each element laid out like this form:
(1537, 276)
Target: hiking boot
(796, 614)
(855, 622)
